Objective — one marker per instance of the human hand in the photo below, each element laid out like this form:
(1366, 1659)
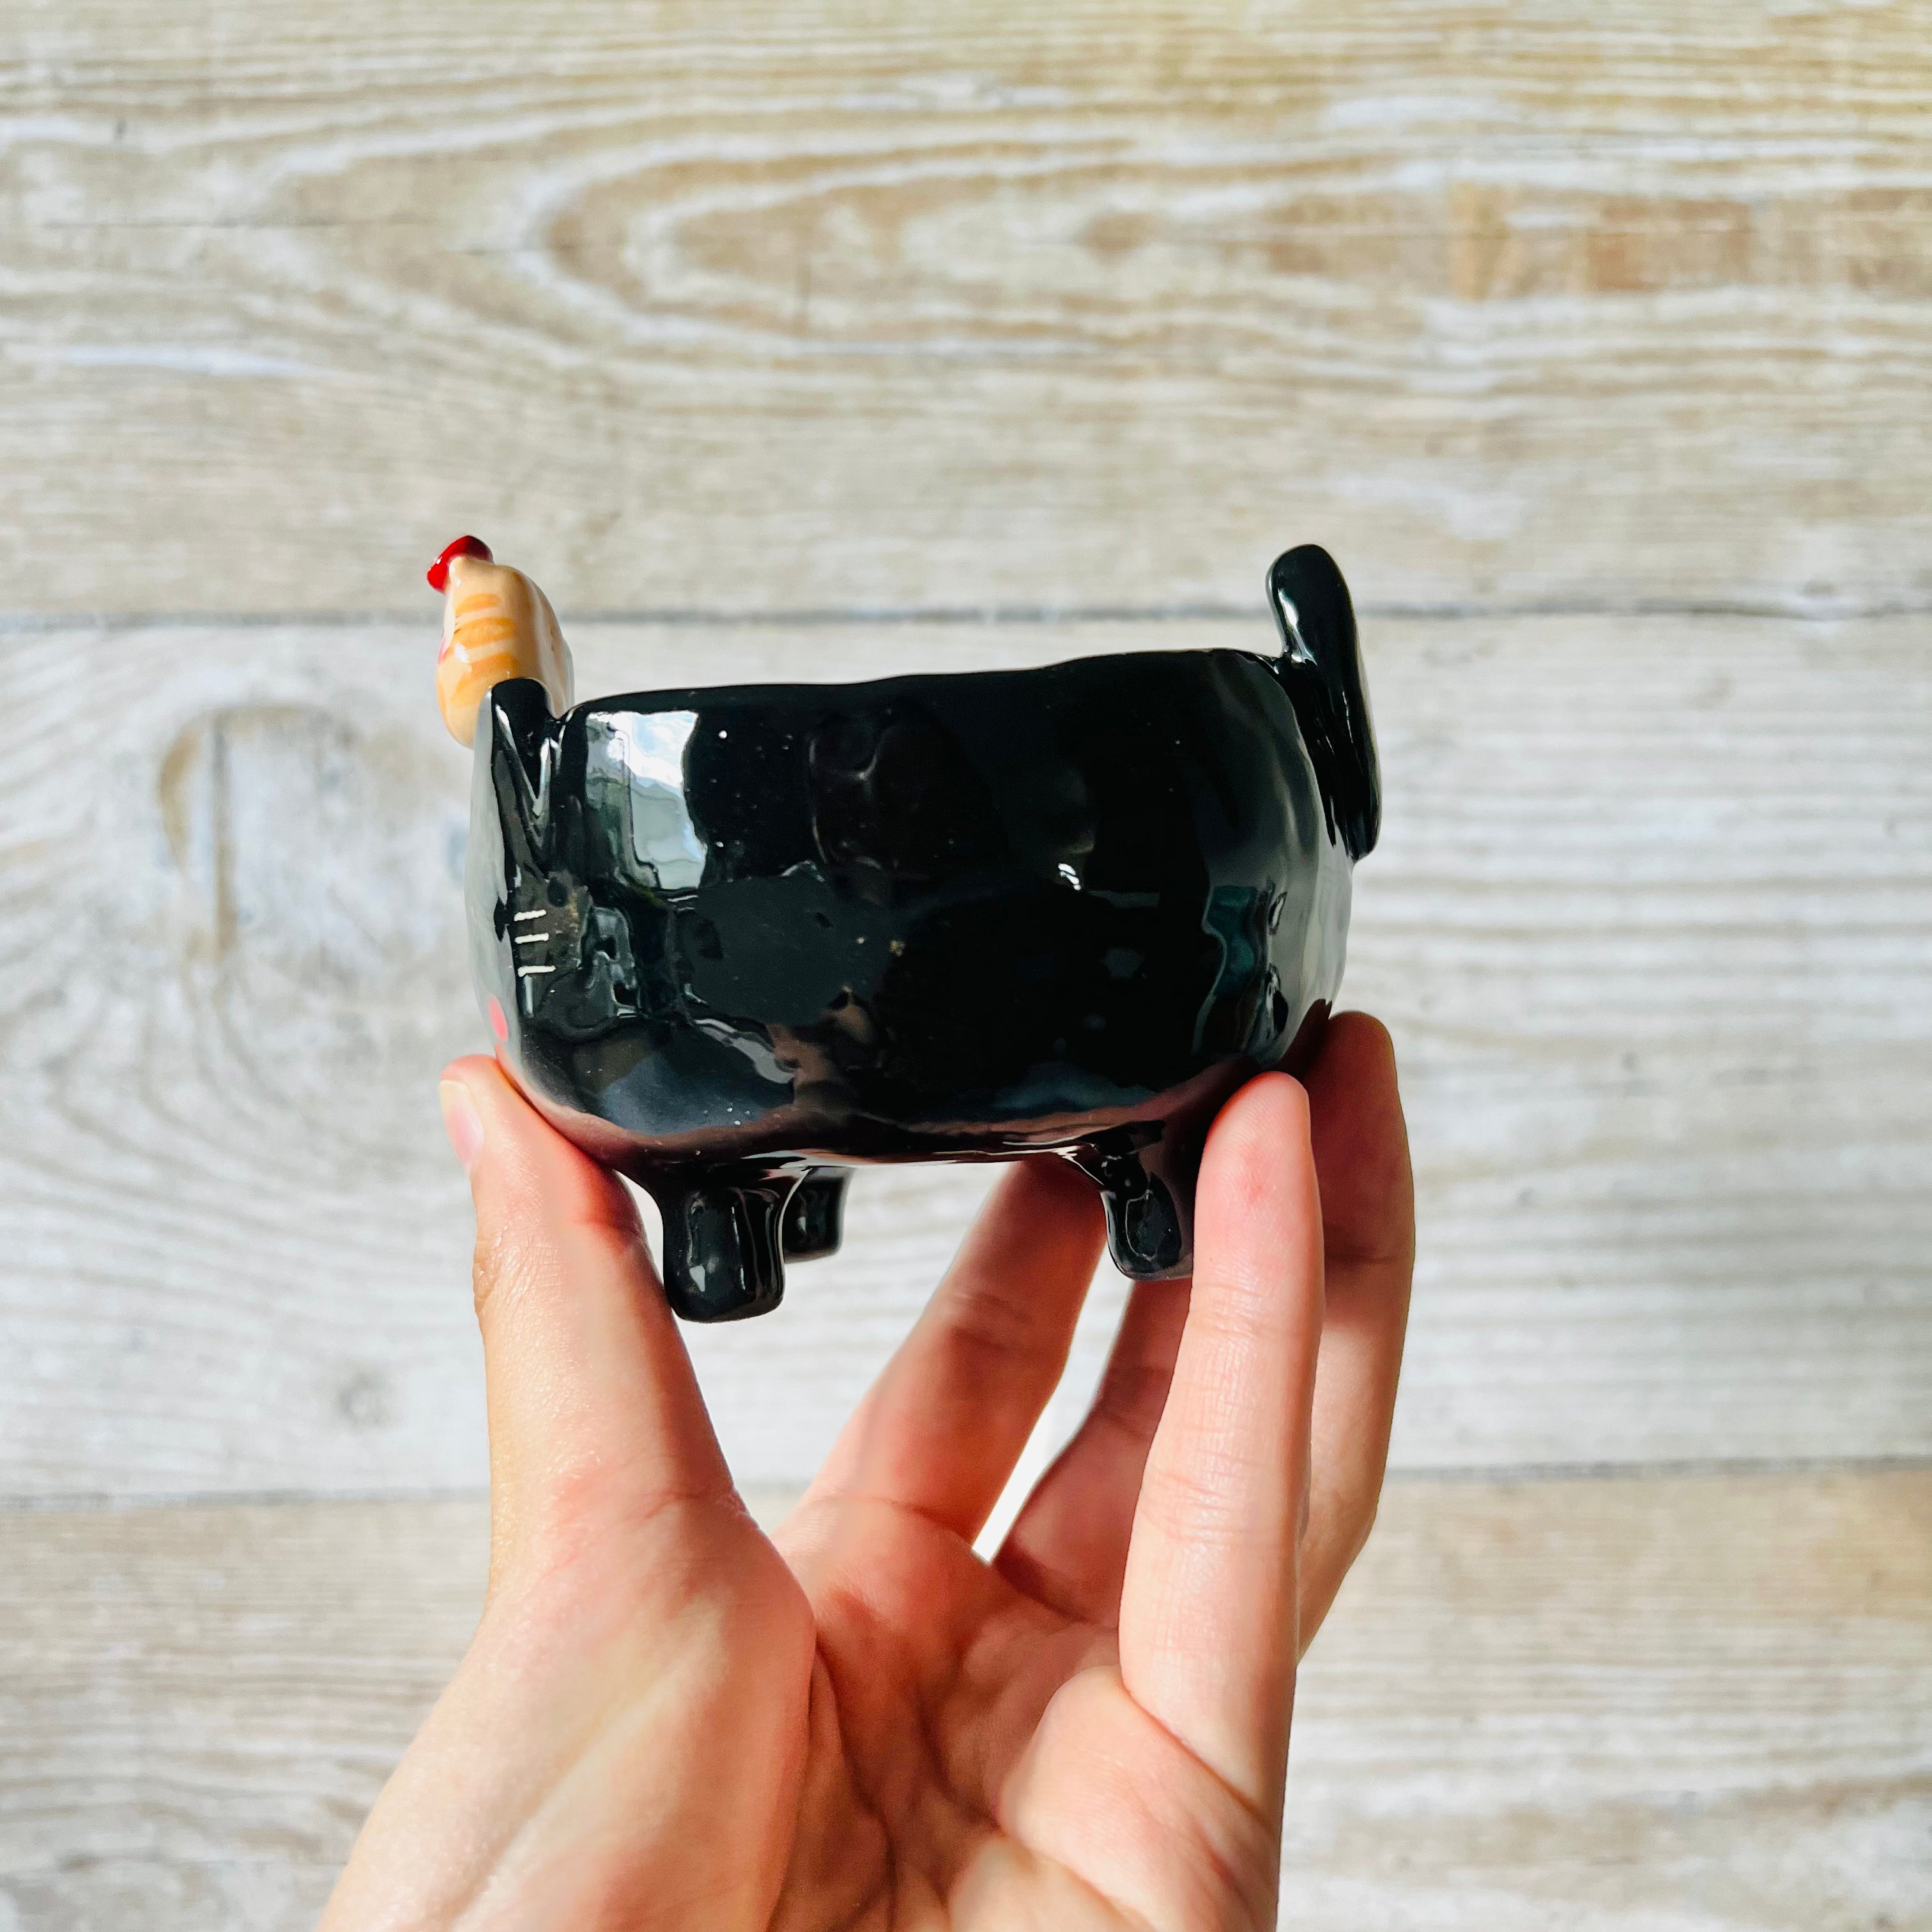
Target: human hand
(668, 1720)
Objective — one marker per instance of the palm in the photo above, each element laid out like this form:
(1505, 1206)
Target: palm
(867, 1726)
(932, 1674)
(983, 1748)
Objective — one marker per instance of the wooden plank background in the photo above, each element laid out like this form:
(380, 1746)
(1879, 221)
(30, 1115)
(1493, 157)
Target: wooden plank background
(714, 305)
(1598, 343)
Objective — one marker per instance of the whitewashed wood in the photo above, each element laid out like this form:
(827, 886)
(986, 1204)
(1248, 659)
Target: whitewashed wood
(1650, 922)
(1672, 1705)
(1679, 1706)
(714, 305)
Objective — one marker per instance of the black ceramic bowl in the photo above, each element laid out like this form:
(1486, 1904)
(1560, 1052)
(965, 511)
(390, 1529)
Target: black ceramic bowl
(731, 939)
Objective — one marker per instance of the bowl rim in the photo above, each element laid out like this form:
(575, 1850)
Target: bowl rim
(658, 699)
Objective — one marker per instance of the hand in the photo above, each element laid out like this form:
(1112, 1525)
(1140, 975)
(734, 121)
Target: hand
(668, 1720)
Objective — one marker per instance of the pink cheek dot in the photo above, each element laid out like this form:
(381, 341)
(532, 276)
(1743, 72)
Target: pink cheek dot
(499, 1026)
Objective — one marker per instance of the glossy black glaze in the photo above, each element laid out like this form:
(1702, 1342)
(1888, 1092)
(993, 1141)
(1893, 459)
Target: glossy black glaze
(739, 936)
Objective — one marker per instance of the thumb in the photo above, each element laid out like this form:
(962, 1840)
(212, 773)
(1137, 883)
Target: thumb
(595, 1419)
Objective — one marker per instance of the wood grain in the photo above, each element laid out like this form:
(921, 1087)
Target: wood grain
(1607, 1706)
(1671, 1705)
(1650, 922)
(713, 306)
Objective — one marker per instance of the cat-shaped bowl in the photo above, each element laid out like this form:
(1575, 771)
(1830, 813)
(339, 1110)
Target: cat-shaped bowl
(731, 940)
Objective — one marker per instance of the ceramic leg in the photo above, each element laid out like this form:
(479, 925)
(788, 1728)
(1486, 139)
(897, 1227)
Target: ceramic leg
(723, 1242)
(1148, 1192)
(814, 1222)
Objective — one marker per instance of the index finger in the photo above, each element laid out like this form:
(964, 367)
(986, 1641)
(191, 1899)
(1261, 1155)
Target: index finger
(1207, 1611)
(594, 1413)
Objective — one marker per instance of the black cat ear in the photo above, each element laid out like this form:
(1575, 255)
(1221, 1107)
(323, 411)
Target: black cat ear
(1321, 669)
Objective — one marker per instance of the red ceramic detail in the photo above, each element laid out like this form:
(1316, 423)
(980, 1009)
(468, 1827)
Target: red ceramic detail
(439, 572)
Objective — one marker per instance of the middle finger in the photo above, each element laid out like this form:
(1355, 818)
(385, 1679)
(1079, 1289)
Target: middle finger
(1068, 1546)
(943, 1426)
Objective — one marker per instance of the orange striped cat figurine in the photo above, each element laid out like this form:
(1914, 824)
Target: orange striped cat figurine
(496, 624)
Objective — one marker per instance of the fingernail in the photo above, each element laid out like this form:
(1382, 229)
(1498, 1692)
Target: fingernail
(461, 1122)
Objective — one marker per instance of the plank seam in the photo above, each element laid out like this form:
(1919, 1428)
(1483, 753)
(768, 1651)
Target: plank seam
(991, 617)
(90, 1502)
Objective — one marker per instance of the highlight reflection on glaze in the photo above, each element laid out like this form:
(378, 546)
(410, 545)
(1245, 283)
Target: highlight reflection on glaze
(740, 937)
